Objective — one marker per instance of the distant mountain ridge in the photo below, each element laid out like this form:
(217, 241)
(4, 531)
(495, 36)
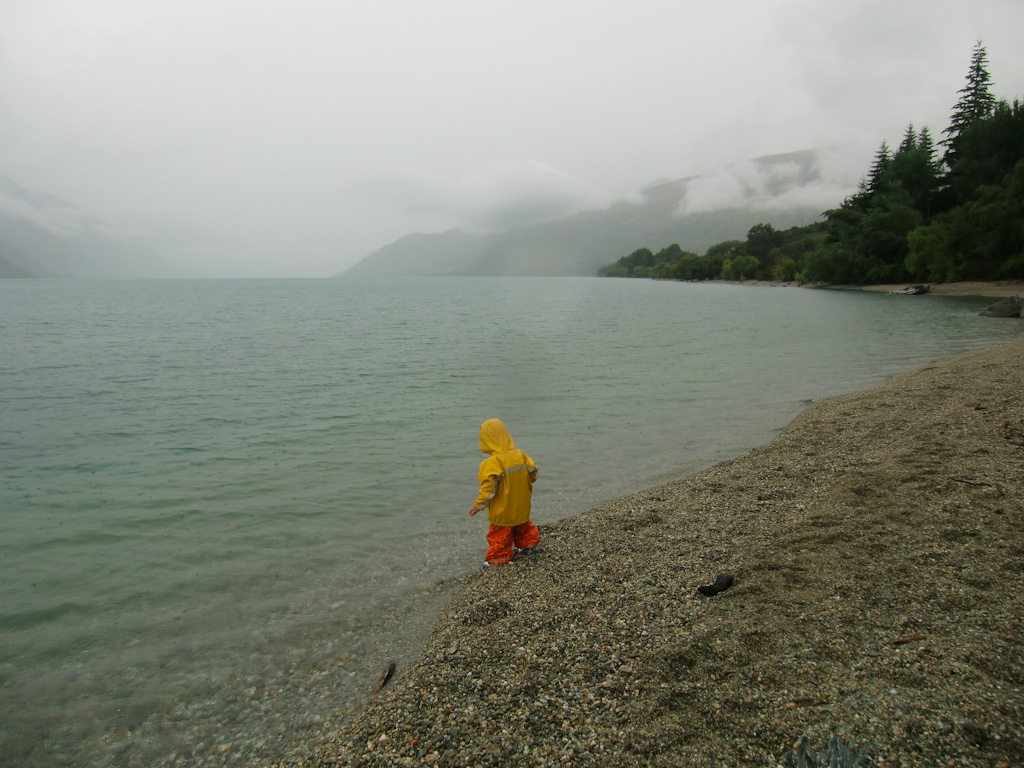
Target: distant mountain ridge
(44, 236)
(581, 244)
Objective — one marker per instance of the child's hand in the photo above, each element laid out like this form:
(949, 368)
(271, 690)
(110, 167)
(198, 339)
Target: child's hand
(473, 511)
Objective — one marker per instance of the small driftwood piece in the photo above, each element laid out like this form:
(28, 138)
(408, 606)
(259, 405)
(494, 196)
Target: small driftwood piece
(388, 672)
(911, 639)
(971, 482)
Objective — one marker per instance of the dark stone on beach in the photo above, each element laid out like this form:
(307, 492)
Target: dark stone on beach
(722, 583)
(1006, 308)
(976, 733)
(912, 290)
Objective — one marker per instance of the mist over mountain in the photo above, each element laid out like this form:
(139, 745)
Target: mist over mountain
(784, 190)
(44, 236)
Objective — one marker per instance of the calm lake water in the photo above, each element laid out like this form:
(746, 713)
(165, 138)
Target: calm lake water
(223, 501)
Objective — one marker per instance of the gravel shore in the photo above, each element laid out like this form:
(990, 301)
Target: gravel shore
(995, 289)
(877, 550)
(1001, 288)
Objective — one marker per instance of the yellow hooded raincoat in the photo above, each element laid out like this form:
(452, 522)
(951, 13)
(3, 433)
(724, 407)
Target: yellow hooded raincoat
(506, 477)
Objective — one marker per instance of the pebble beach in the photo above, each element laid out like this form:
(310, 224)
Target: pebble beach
(876, 549)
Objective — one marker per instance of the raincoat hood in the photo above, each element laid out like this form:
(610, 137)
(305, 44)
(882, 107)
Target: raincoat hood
(506, 477)
(494, 437)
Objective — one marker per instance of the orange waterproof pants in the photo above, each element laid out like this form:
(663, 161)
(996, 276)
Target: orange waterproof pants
(500, 539)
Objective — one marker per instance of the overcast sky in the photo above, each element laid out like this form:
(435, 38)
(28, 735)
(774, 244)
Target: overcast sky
(293, 137)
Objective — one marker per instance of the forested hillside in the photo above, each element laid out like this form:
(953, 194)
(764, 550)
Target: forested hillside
(927, 211)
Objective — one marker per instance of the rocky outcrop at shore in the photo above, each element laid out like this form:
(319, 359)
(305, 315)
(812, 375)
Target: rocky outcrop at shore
(877, 555)
(1009, 307)
(912, 290)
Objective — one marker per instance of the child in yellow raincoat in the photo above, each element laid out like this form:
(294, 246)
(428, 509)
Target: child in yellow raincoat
(506, 487)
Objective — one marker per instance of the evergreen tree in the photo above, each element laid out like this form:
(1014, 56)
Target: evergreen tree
(988, 231)
(914, 166)
(877, 174)
(926, 145)
(988, 150)
(976, 102)
(909, 143)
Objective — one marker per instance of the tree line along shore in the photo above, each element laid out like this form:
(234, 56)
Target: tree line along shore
(918, 215)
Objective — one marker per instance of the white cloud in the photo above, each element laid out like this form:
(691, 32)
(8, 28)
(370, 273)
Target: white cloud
(492, 195)
(329, 129)
(501, 193)
(51, 214)
(781, 185)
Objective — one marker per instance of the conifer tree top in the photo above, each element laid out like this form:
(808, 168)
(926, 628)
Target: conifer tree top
(976, 101)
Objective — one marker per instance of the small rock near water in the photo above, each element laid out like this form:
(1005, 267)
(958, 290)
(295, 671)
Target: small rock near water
(1009, 307)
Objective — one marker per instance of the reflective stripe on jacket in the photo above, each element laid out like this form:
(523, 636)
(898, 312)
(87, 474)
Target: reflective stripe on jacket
(506, 476)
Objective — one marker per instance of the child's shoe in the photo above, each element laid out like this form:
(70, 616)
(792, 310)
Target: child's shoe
(527, 551)
(486, 565)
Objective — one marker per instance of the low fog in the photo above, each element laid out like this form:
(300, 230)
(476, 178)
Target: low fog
(264, 139)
